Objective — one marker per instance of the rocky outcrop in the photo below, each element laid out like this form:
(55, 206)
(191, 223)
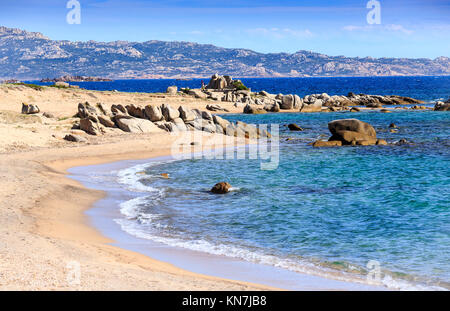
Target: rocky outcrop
(155, 119)
(221, 188)
(218, 82)
(441, 106)
(91, 126)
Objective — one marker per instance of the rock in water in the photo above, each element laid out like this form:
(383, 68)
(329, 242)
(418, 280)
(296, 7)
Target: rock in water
(221, 188)
(441, 106)
(294, 127)
(352, 132)
(353, 125)
(393, 126)
(322, 143)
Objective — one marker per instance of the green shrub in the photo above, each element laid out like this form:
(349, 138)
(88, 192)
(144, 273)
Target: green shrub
(33, 86)
(239, 85)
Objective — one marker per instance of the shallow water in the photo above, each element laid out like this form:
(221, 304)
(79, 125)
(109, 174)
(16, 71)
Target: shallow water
(322, 210)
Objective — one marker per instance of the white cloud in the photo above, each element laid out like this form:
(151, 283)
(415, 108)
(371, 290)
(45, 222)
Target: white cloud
(388, 28)
(280, 33)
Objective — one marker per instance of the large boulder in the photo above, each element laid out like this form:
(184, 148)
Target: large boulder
(85, 110)
(169, 112)
(91, 126)
(352, 125)
(287, 102)
(272, 107)
(135, 111)
(61, 84)
(118, 109)
(172, 90)
(218, 82)
(206, 115)
(154, 113)
(298, 102)
(221, 122)
(314, 106)
(352, 132)
(135, 125)
(30, 109)
(186, 114)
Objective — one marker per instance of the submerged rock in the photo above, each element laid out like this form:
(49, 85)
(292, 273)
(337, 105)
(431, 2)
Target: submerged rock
(323, 143)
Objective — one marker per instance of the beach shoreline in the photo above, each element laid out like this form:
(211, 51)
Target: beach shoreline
(105, 210)
(52, 231)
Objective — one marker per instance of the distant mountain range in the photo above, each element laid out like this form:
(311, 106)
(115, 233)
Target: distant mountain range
(31, 55)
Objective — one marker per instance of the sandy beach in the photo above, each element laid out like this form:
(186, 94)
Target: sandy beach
(43, 226)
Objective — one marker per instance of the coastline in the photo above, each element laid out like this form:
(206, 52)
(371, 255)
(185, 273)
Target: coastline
(55, 229)
(104, 211)
(43, 224)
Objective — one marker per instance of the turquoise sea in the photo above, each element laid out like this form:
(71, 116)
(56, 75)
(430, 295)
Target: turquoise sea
(336, 212)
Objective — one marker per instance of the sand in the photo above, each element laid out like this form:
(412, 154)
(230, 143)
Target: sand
(46, 242)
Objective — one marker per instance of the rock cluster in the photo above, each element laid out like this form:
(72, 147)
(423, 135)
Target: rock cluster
(154, 119)
(220, 82)
(350, 132)
(221, 88)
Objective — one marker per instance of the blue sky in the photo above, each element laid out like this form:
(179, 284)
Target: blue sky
(409, 28)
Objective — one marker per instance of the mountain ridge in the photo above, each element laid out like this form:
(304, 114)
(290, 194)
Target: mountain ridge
(32, 55)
